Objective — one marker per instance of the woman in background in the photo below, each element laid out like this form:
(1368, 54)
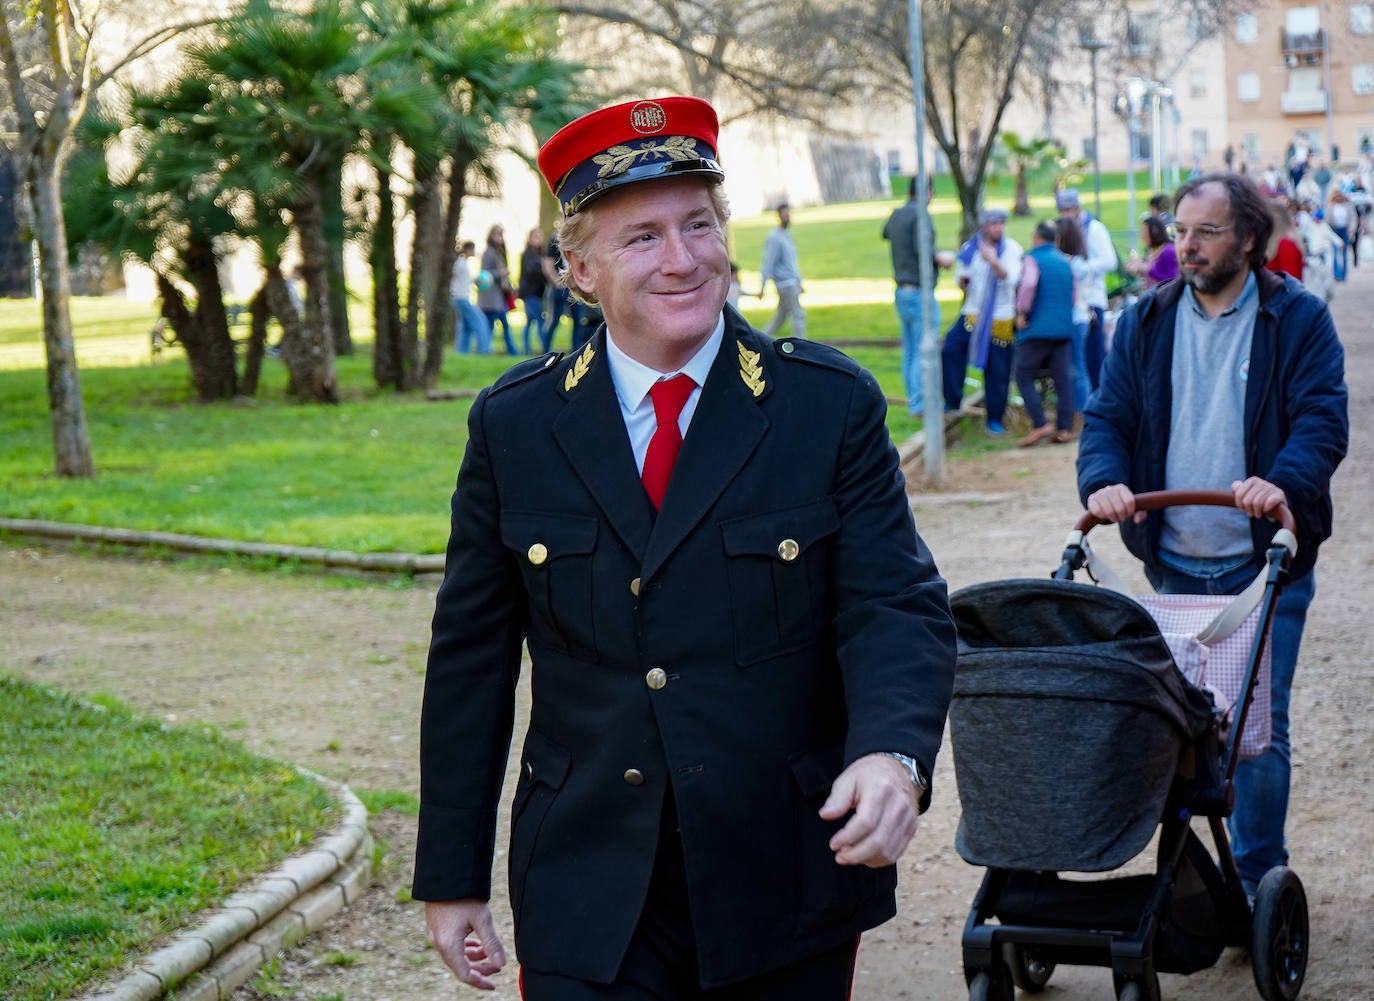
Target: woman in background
(1070, 242)
(491, 300)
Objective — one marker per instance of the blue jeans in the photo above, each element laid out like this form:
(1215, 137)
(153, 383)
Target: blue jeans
(559, 303)
(1262, 783)
(996, 377)
(534, 320)
(495, 316)
(908, 302)
(1082, 385)
(471, 323)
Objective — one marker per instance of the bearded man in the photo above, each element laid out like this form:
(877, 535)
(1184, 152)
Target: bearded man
(1231, 379)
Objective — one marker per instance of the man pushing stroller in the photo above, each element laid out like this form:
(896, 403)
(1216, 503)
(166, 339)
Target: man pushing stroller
(1229, 377)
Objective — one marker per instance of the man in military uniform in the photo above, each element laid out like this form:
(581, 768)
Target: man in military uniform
(741, 651)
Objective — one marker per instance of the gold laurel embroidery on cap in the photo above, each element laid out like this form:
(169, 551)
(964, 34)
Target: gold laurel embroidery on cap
(579, 368)
(619, 159)
(750, 370)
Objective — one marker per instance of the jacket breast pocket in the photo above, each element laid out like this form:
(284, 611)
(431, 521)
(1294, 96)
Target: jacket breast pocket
(555, 554)
(544, 765)
(779, 567)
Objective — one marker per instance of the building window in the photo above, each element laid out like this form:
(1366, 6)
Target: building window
(1199, 145)
(1250, 147)
(1361, 19)
(1247, 28)
(1362, 78)
(1364, 139)
(1248, 87)
(1090, 148)
(1197, 83)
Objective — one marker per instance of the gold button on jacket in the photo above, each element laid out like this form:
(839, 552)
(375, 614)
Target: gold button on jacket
(634, 776)
(788, 550)
(656, 678)
(538, 553)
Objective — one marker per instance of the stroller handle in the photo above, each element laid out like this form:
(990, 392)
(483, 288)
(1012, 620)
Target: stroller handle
(1156, 499)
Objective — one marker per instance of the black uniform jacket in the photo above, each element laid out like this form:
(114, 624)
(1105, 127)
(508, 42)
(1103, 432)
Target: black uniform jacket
(776, 620)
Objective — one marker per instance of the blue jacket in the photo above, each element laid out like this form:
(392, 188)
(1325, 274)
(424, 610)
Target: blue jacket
(1295, 411)
(1051, 312)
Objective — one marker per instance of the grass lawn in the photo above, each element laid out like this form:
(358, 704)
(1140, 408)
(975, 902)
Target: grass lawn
(117, 829)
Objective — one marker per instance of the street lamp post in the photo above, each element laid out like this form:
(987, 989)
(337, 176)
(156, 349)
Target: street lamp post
(1093, 46)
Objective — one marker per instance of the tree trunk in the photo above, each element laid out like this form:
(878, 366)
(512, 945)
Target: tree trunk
(386, 296)
(331, 193)
(428, 227)
(258, 315)
(441, 318)
(1022, 206)
(208, 343)
(311, 358)
(295, 343)
(70, 440)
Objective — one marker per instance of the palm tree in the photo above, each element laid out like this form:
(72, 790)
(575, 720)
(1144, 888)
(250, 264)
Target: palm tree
(1023, 156)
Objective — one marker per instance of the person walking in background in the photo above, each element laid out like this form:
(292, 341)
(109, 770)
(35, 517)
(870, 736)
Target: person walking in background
(1176, 410)
(1160, 263)
(1070, 243)
(912, 301)
(1341, 217)
(469, 319)
(781, 268)
(556, 292)
(729, 743)
(1044, 335)
(1102, 261)
(492, 295)
(531, 289)
(1283, 250)
(987, 268)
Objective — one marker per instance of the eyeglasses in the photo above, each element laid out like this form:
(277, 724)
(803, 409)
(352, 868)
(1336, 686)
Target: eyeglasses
(1203, 234)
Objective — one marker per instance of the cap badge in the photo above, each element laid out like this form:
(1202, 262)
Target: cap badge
(619, 159)
(648, 118)
(750, 370)
(579, 368)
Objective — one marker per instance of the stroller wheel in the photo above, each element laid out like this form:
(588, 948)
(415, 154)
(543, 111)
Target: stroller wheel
(985, 987)
(1029, 971)
(1146, 989)
(1279, 936)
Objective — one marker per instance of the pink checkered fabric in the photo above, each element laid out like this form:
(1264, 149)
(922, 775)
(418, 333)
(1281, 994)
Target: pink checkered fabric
(1220, 668)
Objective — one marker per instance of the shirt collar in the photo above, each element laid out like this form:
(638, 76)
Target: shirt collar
(1247, 293)
(633, 379)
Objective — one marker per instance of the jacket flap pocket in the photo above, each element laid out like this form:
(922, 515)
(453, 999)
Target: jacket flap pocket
(816, 771)
(550, 536)
(544, 761)
(768, 534)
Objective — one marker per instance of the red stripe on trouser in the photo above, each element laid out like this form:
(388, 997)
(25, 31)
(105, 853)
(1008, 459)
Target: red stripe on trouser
(854, 966)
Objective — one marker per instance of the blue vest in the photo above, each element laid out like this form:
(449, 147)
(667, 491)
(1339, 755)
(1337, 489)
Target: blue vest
(1051, 314)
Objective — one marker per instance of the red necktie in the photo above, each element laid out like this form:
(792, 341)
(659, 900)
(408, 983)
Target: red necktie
(669, 396)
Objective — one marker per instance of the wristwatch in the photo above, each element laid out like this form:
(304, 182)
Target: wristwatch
(913, 771)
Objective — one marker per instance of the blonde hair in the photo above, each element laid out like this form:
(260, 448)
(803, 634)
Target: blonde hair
(575, 234)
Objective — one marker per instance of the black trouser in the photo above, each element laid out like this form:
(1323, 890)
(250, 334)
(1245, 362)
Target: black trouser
(1032, 356)
(661, 964)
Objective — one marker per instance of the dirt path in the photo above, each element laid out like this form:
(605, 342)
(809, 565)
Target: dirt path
(329, 676)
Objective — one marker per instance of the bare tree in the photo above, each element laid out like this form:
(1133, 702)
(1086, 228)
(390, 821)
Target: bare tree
(47, 55)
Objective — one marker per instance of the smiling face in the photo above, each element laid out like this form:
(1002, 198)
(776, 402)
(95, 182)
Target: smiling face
(657, 263)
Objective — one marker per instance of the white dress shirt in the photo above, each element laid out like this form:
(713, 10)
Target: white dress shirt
(633, 381)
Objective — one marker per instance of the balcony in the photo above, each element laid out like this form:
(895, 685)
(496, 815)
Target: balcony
(1303, 102)
(1309, 45)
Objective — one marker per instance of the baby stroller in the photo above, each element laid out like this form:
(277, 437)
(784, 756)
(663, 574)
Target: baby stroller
(1075, 737)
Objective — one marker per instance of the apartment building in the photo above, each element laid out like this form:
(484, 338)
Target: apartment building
(1301, 74)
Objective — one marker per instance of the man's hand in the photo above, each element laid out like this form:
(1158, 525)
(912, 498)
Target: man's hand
(465, 937)
(1257, 497)
(879, 793)
(1114, 503)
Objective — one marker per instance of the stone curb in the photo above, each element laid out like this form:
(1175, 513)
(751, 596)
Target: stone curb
(408, 563)
(212, 960)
